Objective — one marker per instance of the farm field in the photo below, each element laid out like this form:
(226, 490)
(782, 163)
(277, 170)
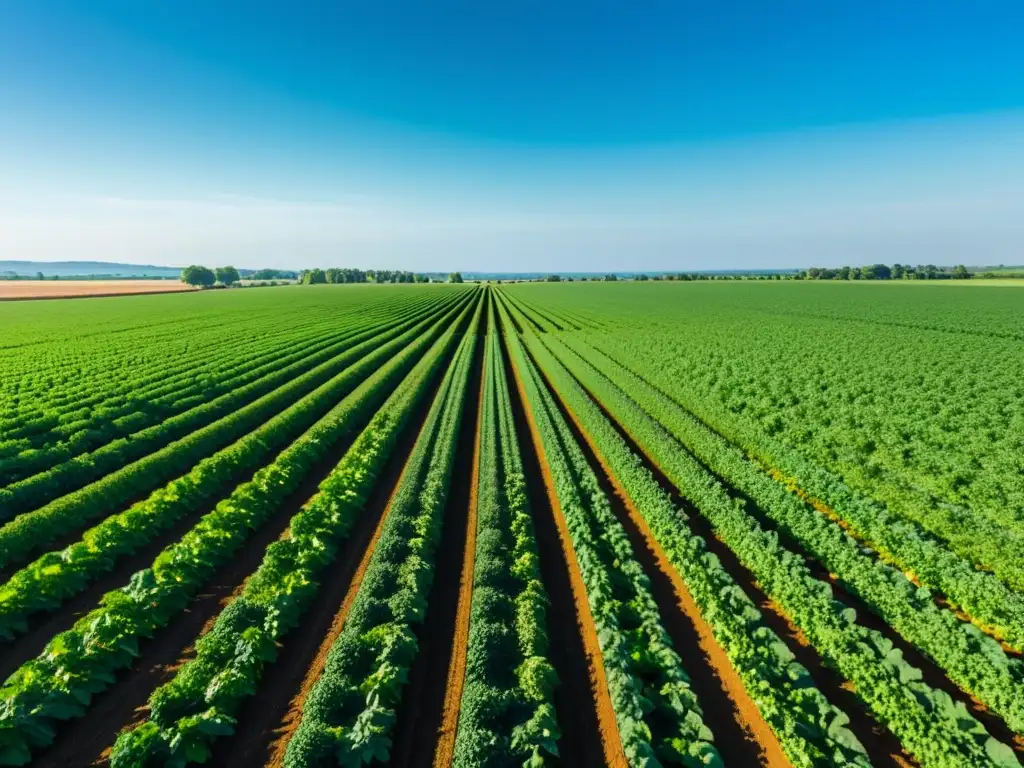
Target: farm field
(624, 524)
(63, 289)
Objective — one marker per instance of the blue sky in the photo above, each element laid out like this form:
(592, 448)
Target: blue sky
(512, 135)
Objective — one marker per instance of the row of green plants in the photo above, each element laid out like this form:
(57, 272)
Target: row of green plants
(72, 405)
(972, 660)
(56, 576)
(926, 559)
(659, 718)
(349, 716)
(75, 382)
(811, 730)
(931, 433)
(72, 475)
(931, 727)
(59, 684)
(46, 389)
(156, 379)
(200, 703)
(507, 715)
(133, 421)
(32, 531)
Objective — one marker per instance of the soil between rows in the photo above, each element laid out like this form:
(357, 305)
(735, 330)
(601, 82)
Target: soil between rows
(424, 726)
(882, 746)
(932, 674)
(583, 706)
(267, 720)
(822, 507)
(742, 736)
(87, 740)
(43, 626)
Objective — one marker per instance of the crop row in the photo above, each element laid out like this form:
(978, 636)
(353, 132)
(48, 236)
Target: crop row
(86, 428)
(810, 729)
(973, 661)
(75, 473)
(507, 714)
(200, 703)
(349, 715)
(56, 576)
(76, 664)
(658, 716)
(928, 723)
(42, 416)
(130, 421)
(155, 365)
(86, 387)
(32, 531)
(939, 548)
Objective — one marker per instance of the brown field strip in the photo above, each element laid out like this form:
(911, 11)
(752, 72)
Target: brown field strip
(555, 542)
(25, 290)
(742, 735)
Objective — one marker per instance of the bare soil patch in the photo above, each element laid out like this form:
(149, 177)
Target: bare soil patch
(15, 290)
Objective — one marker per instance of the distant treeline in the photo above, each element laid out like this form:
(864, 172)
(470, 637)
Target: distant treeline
(337, 276)
(885, 272)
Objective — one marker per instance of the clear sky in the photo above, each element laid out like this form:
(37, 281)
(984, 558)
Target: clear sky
(512, 135)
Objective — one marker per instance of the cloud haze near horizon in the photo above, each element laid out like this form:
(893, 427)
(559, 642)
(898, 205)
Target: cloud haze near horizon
(835, 197)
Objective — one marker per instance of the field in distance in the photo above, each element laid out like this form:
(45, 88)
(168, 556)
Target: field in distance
(60, 289)
(569, 524)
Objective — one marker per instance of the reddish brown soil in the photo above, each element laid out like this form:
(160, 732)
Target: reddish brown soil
(611, 744)
(419, 733)
(822, 507)
(882, 746)
(87, 740)
(21, 290)
(742, 736)
(445, 749)
(791, 484)
(42, 626)
(267, 721)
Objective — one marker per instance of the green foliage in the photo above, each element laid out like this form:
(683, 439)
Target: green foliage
(199, 276)
(227, 275)
(650, 692)
(925, 720)
(77, 663)
(350, 711)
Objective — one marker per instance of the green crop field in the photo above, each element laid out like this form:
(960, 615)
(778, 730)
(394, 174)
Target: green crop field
(706, 523)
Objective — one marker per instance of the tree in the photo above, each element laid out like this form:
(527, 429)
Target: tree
(40, 276)
(455, 277)
(553, 279)
(960, 272)
(314, 277)
(199, 276)
(611, 278)
(227, 275)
